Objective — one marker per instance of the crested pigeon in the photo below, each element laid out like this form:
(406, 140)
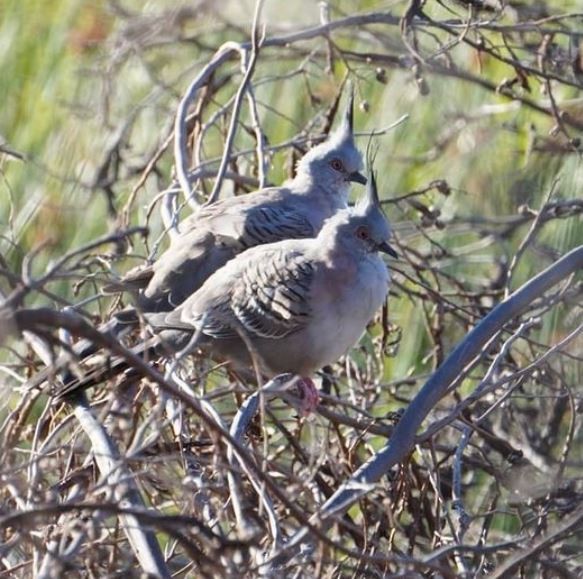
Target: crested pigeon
(295, 305)
(216, 233)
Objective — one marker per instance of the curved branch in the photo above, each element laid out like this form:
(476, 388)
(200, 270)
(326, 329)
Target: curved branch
(403, 439)
(248, 61)
(142, 539)
(180, 137)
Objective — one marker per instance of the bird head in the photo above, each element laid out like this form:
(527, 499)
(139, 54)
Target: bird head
(334, 164)
(371, 227)
(363, 228)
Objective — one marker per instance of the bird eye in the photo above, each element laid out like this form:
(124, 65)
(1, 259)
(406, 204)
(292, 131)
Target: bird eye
(337, 165)
(362, 233)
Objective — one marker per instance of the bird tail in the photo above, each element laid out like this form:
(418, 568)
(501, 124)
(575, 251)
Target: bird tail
(120, 325)
(167, 341)
(89, 364)
(102, 367)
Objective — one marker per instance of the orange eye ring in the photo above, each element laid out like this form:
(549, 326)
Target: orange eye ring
(337, 165)
(362, 233)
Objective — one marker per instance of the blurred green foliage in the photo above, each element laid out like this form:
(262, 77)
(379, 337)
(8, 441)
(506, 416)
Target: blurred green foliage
(76, 75)
(79, 77)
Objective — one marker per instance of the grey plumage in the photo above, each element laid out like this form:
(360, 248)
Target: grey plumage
(299, 303)
(216, 233)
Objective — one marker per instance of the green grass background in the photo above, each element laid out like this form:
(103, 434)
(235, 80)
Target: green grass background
(72, 76)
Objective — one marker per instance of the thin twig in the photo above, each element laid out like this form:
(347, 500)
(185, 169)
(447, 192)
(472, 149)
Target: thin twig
(403, 438)
(248, 61)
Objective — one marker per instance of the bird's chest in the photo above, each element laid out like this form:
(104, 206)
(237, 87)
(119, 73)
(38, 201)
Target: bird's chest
(357, 289)
(354, 293)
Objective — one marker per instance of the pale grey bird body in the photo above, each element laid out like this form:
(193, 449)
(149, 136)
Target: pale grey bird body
(226, 229)
(216, 233)
(299, 304)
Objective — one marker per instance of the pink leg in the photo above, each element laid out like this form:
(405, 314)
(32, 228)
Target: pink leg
(310, 398)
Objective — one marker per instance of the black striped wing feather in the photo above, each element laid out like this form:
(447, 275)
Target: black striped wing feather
(262, 217)
(269, 299)
(268, 224)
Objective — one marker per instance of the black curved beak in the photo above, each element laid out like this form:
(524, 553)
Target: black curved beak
(386, 248)
(357, 177)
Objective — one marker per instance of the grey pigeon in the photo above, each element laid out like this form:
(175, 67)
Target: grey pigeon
(216, 233)
(298, 304)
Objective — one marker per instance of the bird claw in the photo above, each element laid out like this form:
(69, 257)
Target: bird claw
(309, 396)
(307, 392)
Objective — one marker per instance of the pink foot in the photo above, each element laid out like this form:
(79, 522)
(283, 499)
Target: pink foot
(310, 398)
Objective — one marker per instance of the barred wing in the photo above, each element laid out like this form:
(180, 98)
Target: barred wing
(266, 294)
(256, 219)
